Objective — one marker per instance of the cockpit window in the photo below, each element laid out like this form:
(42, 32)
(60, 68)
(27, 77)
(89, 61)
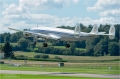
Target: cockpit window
(26, 29)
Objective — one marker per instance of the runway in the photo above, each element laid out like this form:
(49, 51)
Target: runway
(59, 74)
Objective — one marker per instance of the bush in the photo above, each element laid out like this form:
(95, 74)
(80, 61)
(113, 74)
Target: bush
(44, 56)
(21, 57)
(1, 62)
(57, 57)
(41, 56)
(37, 56)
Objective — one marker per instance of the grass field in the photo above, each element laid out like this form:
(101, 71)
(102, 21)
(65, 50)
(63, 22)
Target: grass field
(69, 67)
(73, 64)
(63, 47)
(72, 58)
(21, 76)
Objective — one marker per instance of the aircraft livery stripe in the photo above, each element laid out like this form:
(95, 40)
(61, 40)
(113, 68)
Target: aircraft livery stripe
(46, 31)
(54, 32)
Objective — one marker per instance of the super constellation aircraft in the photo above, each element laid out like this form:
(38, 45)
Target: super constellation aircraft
(64, 34)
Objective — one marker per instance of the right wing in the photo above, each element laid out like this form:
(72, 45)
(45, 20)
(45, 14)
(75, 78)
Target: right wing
(48, 36)
(14, 29)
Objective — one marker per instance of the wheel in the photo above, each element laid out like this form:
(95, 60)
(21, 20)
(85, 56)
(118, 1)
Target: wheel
(34, 43)
(45, 44)
(67, 45)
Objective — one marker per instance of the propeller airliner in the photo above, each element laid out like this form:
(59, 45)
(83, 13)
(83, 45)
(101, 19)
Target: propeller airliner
(64, 34)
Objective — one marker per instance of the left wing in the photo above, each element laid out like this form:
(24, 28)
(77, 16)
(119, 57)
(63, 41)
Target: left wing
(48, 36)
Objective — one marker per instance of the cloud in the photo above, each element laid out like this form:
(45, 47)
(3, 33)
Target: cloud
(23, 10)
(46, 4)
(20, 16)
(115, 13)
(13, 9)
(106, 8)
(105, 4)
(52, 21)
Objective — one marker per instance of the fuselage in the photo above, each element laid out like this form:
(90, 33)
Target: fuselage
(65, 34)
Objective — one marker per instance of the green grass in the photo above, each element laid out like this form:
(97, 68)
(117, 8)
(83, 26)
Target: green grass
(29, 54)
(73, 58)
(40, 44)
(63, 47)
(10, 43)
(80, 49)
(23, 76)
(80, 69)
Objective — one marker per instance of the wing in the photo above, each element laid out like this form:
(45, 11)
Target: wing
(38, 35)
(14, 29)
(47, 36)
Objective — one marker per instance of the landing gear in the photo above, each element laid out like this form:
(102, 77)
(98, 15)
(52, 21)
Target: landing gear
(35, 43)
(45, 44)
(67, 45)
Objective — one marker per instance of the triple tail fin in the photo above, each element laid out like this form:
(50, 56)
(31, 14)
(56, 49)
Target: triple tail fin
(112, 32)
(94, 29)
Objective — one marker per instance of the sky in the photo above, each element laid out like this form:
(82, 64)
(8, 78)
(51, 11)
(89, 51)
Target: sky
(25, 14)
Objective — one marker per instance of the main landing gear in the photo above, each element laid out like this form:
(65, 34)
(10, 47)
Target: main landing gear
(45, 44)
(35, 43)
(67, 45)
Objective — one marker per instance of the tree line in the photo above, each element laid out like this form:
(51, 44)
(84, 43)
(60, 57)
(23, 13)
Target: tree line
(98, 46)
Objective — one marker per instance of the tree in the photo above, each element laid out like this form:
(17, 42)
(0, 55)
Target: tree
(89, 48)
(23, 43)
(104, 44)
(97, 49)
(80, 44)
(72, 48)
(13, 38)
(1, 47)
(7, 50)
(113, 49)
(89, 51)
(7, 38)
(1, 38)
(82, 27)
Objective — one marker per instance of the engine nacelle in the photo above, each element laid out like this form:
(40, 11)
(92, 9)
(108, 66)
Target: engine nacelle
(26, 35)
(77, 31)
(37, 37)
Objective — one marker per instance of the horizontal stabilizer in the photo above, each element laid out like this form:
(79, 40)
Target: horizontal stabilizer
(101, 33)
(111, 32)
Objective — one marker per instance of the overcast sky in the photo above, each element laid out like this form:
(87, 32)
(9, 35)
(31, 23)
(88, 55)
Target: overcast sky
(21, 14)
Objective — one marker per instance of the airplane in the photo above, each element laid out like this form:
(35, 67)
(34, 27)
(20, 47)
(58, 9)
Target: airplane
(64, 34)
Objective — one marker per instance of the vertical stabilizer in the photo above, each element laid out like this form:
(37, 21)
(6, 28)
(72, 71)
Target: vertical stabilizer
(112, 32)
(77, 30)
(94, 29)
